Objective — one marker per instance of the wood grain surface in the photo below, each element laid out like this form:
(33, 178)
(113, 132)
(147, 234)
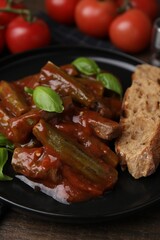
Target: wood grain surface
(24, 226)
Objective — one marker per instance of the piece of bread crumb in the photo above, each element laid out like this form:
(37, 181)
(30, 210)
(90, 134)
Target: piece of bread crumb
(139, 145)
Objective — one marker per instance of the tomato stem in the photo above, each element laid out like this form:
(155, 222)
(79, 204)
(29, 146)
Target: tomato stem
(9, 3)
(23, 12)
(125, 6)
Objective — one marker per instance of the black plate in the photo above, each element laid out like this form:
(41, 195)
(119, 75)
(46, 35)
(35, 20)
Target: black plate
(128, 196)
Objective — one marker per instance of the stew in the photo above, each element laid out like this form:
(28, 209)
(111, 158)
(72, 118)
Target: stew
(67, 154)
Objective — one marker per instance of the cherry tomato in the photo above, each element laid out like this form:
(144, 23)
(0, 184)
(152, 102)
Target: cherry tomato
(61, 10)
(150, 7)
(94, 17)
(6, 17)
(131, 31)
(22, 35)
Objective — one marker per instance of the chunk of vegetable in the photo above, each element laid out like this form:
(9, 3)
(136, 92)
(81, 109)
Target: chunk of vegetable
(73, 156)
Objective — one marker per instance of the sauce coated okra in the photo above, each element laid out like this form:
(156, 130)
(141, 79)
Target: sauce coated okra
(70, 150)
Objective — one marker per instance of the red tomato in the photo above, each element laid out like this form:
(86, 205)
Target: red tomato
(22, 35)
(150, 7)
(94, 17)
(6, 17)
(131, 31)
(61, 10)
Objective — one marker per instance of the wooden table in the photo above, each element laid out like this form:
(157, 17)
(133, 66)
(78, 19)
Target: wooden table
(23, 226)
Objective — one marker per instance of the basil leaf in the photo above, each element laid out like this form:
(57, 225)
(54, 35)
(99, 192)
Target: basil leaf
(5, 142)
(86, 66)
(3, 160)
(47, 99)
(110, 82)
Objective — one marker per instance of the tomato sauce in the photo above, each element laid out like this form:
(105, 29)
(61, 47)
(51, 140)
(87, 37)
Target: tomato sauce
(66, 155)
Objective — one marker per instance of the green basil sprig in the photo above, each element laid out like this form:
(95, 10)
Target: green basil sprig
(46, 99)
(6, 146)
(110, 82)
(5, 142)
(86, 66)
(3, 160)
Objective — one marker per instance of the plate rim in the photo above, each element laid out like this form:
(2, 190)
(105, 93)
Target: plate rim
(16, 56)
(56, 216)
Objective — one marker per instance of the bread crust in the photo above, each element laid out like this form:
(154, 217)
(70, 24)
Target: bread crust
(138, 147)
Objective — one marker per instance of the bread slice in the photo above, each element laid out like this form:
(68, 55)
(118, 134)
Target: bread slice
(139, 145)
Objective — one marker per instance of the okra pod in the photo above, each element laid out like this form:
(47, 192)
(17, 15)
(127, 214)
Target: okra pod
(93, 85)
(92, 144)
(27, 122)
(64, 84)
(104, 128)
(70, 69)
(31, 81)
(12, 99)
(72, 155)
(35, 163)
(4, 116)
